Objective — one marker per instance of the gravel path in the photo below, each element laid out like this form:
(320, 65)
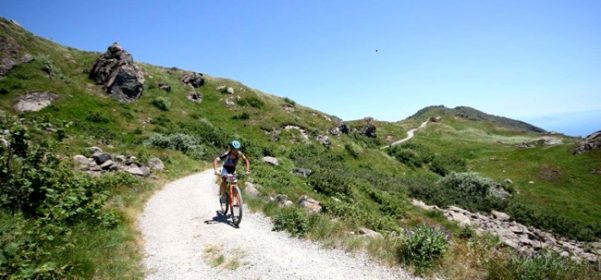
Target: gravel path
(185, 238)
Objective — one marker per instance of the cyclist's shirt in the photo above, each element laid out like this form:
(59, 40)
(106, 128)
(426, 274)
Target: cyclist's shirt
(230, 161)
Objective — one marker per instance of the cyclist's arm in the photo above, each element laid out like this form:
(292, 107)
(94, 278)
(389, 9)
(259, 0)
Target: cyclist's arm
(247, 163)
(215, 161)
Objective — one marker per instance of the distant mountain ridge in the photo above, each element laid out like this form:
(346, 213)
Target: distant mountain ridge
(475, 115)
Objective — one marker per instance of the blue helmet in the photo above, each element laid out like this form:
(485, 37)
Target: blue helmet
(236, 144)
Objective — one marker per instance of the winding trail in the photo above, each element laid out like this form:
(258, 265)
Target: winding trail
(186, 238)
(410, 135)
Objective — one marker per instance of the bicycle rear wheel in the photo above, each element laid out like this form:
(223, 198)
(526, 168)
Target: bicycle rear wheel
(236, 206)
(225, 203)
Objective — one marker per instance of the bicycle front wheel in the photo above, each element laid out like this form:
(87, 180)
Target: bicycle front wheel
(236, 206)
(224, 201)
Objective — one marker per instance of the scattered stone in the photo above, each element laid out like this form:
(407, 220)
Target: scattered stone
(35, 101)
(156, 163)
(370, 131)
(508, 181)
(324, 140)
(283, 200)
(230, 101)
(335, 131)
(551, 141)
(343, 127)
(530, 182)
(229, 90)
(27, 58)
(116, 72)
(302, 172)
(435, 119)
(165, 87)
(251, 189)
(120, 158)
(222, 88)
(109, 164)
(369, 233)
(194, 79)
(271, 160)
(309, 203)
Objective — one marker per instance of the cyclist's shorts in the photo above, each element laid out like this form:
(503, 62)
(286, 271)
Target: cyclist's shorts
(227, 170)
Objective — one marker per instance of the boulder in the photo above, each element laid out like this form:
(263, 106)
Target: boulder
(82, 162)
(94, 149)
(435, 119)
(343, 127)
(196, 80)
(35, 101)
(221, 88)
(508, 181)
(271, 160)
(251, 189)
(108, 165)
(369, 233)
(309, 203)
(335, 131)
(195, 97)
(283, 200)
(139, 171)
(156, 163)
(116, 72)
(500, 215)
(101, 157)
(165, 87)
(370, 131)
(302, 172)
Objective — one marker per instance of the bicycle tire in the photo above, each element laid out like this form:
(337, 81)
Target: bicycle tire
(237, 206)
(225, 205)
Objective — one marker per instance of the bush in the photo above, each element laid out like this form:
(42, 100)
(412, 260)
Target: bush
(443, 165)
(187, 144)
(294, 220)
(289, 101)
(162, 103)
(330, 182)
(423, 248)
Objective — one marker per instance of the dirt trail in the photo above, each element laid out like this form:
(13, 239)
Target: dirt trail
(410, 135)
(186, 238)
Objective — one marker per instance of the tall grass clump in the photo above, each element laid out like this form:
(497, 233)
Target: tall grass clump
(546, 265)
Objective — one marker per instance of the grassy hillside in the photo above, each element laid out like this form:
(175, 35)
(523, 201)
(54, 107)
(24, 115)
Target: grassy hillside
(357, 183)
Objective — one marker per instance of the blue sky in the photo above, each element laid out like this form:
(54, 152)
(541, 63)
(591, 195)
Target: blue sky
(530, 60)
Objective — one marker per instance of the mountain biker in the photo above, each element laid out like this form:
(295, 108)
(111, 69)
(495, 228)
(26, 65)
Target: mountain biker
(230, 158)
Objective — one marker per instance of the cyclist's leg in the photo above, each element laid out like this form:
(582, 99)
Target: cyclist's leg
(223, 184)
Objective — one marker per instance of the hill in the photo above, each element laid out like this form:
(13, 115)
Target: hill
(136, 112)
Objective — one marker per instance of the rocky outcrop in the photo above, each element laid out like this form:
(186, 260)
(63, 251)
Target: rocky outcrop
(370, 131)
(35, 101)
(522, 238)
(116, 72)
(435, 119)
(591, 142)
(251, 189)
(193, 81)
(101, 162)
(324, 140)
(11, 53)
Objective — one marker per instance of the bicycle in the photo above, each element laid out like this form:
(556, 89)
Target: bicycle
(233, 199)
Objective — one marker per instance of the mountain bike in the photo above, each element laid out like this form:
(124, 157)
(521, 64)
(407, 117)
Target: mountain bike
(233, 199)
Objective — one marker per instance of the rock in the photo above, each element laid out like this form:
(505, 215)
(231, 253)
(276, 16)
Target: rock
(370, 131)
(230, 101)
(35, 101)
(271, 160)
(508, 181)
(302, 172)
(120, 158)
(459, 217)
(195, 97)
(27, 58)
(508, 237)
(108, 165)
(500, 215)
(283, 200)
(156, 163)
(551, 141)
(422, 205)
(82, 161)
(343, 127)
(324, 140)
(309, 203)
(591, 142)
(94, 167)
(194, 79)
(335, 131)
(222, 88)
(229, 90)
(116, 72)
(499, 192)
(100, 157)
(435, 119)
(139, 171)
(165, 87)
(530, 182)
(250, 189)
(94, 149)
(132, 160)
(369, 233)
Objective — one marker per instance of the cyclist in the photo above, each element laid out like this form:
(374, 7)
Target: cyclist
(230, 158)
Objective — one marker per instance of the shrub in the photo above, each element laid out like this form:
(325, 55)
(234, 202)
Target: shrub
(242, 116)
(185, 143)
(424, 247)
(330, 181)
(352, 149)
(294, 220)
(443, 165)
(289, 101)
(162, 103)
